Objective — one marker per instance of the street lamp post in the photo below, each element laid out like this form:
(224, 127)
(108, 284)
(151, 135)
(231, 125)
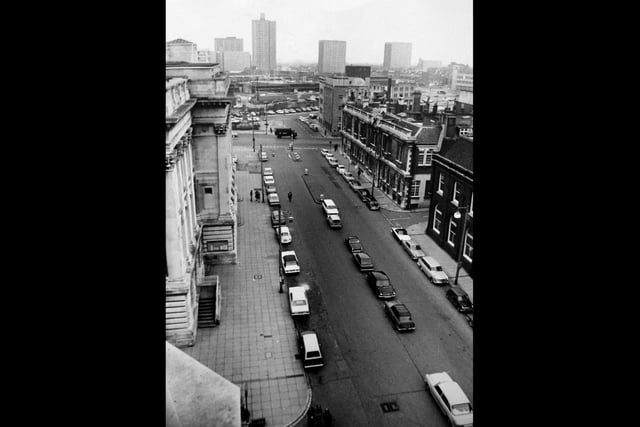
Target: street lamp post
(262, 176)
(253, 137)
(280, 248)
(457, 215)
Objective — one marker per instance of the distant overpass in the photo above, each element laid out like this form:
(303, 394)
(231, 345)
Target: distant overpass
(284, 87)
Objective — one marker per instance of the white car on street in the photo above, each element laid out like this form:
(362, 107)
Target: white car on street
(340, 169)
(298, 303)
(324, 152)
(451, 399)
(289, 262)
(413, 249)
(333, 162)
(348, 176)
(285, 235)
(329, 207)
(433, 270)
(267, 171)
(400, 234)
(268, 179)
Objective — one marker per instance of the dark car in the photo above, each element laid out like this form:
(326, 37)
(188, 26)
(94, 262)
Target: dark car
(400, 316)
(363, 261)
(372, 203)
(353, 243)
(460, 299)
(364, 194)
(379, 282)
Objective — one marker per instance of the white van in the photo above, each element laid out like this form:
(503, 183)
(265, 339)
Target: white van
(310, 349)
(298, 303)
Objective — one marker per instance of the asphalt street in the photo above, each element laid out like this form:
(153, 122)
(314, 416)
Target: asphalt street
(367, 362)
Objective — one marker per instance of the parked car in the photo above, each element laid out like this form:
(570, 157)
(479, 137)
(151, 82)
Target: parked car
(413, 249)
(329, 156)
(298, 303)
(450, 398)
(348, 176)
(433, 270)
(379, 282)
(310, 350)
(268, 179)
(290, 263)
(278, 218)
(284, 233)
(267, 171)
(234, 134)
(313, 116)
(314, 127)
(279, 111)
(334, 221)
(460, 299)
(329, 207)
(353, 243)
(372, 203)
(355, 185)
(363, 261)
(340, 169)
(296, 156)
(400, 316)
(270, 188)
(332, 162)
(363, 193)
(400, 234)
(273, 199)
(324, 152)
(271, 112)
(263, 156)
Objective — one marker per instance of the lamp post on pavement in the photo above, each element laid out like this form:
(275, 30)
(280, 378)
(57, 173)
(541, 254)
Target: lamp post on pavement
(262, 176)
(281, 279)
(458, 215)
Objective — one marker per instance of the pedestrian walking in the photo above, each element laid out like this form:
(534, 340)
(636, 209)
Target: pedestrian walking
(251, 195)
(257, 196)
(290, 196)
(335, 147)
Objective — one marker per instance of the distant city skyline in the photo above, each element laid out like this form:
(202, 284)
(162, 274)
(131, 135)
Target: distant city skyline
(437, 30)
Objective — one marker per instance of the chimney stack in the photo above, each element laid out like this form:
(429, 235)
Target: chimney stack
(416, 101)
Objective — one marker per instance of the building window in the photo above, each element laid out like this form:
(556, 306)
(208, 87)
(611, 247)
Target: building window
(415, 189)
(424, 157)
(440, 184)
(468, 247)
(451, 237)
(456, 193)
(437, 220)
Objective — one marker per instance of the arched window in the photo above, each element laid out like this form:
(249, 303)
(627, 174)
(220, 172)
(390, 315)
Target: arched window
(451, 236)
(437, 219)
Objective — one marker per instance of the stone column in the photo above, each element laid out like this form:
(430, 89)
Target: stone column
(173, 243)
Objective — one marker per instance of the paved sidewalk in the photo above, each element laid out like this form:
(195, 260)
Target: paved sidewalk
(254, 346)
(418, 233)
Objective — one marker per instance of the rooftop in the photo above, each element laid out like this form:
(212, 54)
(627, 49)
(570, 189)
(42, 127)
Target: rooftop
(459, 151)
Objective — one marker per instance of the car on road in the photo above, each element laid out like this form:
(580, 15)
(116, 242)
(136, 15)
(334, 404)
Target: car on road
(268, 179)
(324, 152)
(298, 303)
(334, 221)
(355, 185)
(329, 207)
(379, 282)
(290, 263)
(400, 316)
(298, 110)
(267, 171)
(234, 134)
(278, 218)
(296, 157)
(460, 299)
(413, 249)
(372, 204)
(313, 116)
(279, 111)
(310, 349)
(450, 398)
(363, 261)
(285, 234)
(329, 156)
(400, 234)
(270, 188)
(340, 169)
(353, 243)
(332, 162)
(273, 199)
(433, 270)
(348, 176)
(263, 156)
(363, 193)
(314, 127)
(271, 112)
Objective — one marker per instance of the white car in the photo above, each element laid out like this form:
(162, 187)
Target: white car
(451, 399)
(267, 171)
(298, 303)
(341, 169)
(268, 179)
(433, 270)
(400, 234)
(285, 235)
(329, 207)
(289, 262)
(324, 152)
(273, 199)
(348, 176)
(333, 162)
(279, 111)
(413, 249)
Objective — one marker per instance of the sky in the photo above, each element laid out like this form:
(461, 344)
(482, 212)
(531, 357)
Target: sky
(437, 29)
